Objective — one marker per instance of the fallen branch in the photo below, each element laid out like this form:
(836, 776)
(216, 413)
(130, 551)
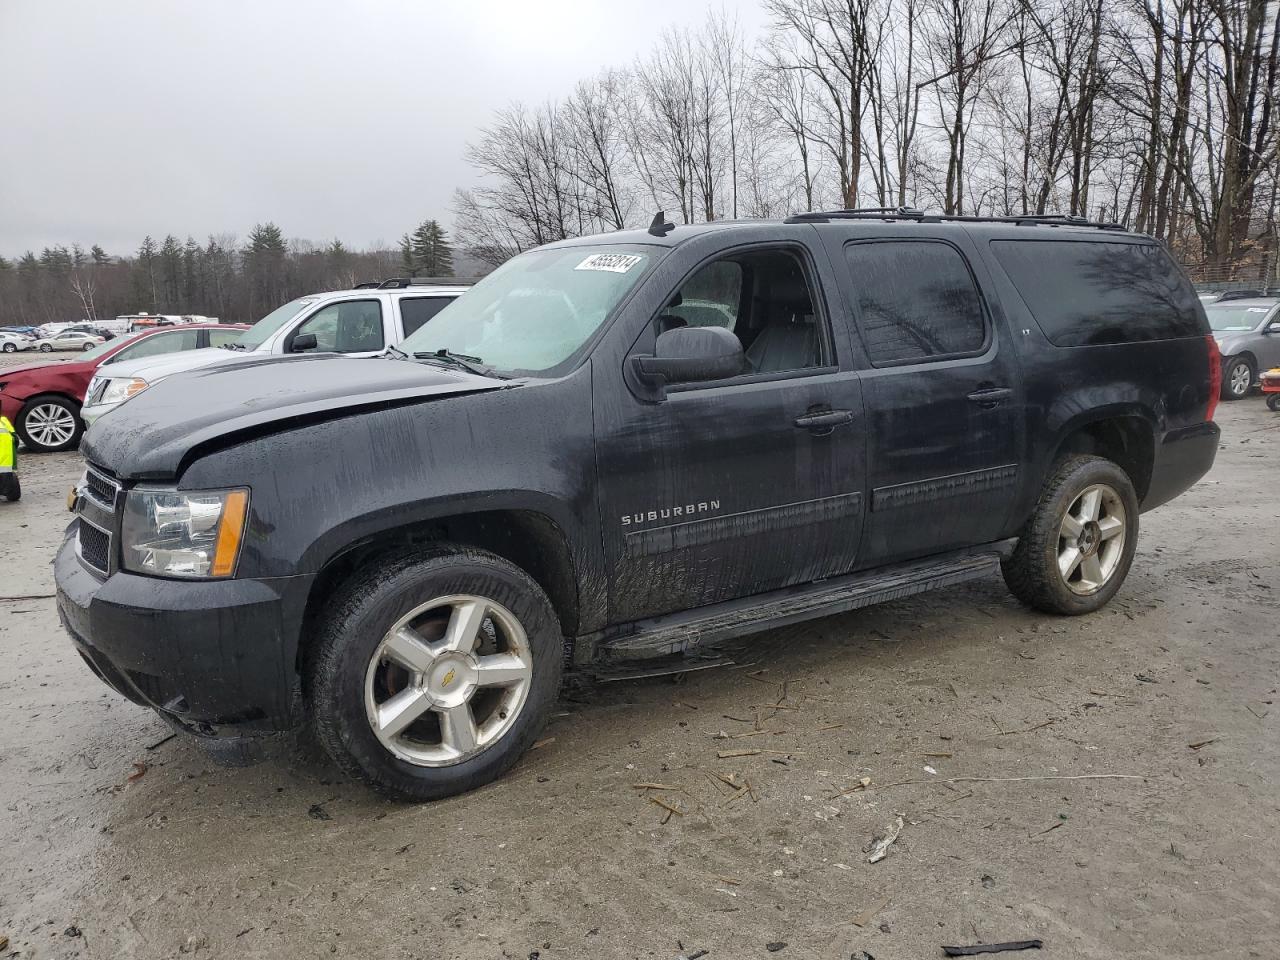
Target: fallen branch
(1087, 776)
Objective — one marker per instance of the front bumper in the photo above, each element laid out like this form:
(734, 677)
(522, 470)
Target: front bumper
(219, 657)
(92, 413)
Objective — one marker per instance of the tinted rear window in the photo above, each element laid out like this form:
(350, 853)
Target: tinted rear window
(916, 300)
(1090, 292)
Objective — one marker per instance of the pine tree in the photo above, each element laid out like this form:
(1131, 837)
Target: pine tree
(406, 255)
(144, 277)
(98, 256)
(432, 254)
(171, 270)
(265, 261)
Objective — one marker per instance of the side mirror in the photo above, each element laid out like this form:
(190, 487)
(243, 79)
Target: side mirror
(303, 341)
(692, 355)
(1272, 327)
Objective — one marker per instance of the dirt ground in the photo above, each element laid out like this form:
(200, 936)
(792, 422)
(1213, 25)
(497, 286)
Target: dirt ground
(1107, 784)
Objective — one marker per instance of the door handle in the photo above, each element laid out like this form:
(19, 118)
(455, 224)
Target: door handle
(989, 397)
(823, 420)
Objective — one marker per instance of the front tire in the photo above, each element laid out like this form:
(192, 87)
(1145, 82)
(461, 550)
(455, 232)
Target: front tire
(1077, 547)
(46, 348)
(50, 423)
(87, 347)
(434, 672)
(1237, 378)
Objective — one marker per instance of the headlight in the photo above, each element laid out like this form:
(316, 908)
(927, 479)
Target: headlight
(174, 534)
(119, 389)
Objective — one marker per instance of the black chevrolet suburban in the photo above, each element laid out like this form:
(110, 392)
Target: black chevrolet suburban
(624, 446)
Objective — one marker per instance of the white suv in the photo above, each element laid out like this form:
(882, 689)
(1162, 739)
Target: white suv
(361, 322)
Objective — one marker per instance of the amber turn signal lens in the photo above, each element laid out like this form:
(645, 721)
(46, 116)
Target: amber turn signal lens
(230, 530)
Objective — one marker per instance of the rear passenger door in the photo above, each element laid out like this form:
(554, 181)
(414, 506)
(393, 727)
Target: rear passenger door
(941, 392)
(416, 311)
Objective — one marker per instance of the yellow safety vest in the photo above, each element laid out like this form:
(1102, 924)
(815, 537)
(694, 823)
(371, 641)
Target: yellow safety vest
(8, 447)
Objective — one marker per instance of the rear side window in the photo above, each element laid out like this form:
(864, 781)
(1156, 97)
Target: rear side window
(157, 344)
(916, 301)
(1085, 292)
(416, 311)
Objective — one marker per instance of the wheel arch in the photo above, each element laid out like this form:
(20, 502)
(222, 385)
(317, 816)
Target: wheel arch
(1124, 435)
(529, 538)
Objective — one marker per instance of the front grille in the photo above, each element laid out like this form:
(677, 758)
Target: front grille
(93, 545)
(101, 487)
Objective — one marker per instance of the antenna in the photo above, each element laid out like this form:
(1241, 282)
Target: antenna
(660, 227)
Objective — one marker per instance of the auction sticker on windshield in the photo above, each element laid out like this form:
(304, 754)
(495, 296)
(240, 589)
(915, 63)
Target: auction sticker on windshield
(610, 262)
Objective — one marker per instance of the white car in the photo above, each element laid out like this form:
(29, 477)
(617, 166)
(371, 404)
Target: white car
(68, 340)
(362, 322)
(13, 342)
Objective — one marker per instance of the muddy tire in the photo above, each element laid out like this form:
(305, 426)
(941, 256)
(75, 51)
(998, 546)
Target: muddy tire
(1075, 551)
(434, 672)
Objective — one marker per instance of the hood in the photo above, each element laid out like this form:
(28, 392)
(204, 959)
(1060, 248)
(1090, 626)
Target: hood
(156, 368)
(62, 366)
(1231, 341)
(150, 436)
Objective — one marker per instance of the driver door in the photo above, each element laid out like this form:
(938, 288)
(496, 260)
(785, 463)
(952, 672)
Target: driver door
(353, 327)
(729, 488)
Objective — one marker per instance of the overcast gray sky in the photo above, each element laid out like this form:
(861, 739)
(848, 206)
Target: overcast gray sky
(121, 118)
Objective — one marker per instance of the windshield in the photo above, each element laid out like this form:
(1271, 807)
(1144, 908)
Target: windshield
(256, 335)
(1224, 318)
(102, 348)
(535, 311)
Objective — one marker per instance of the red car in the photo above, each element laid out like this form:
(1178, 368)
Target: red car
(43, 400)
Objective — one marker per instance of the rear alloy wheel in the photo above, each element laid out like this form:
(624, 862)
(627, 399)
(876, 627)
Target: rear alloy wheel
(1237, 378)
(49, 424)
(434, 671)
(88, 346)
(1076, 549)
(9, 347)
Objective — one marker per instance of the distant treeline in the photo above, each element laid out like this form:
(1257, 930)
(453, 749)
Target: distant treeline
(236, 282)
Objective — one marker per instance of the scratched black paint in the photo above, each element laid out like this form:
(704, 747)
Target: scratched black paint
(342, 455)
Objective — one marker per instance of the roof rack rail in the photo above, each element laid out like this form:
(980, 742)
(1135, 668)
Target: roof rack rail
(399, 283)
(911, 213)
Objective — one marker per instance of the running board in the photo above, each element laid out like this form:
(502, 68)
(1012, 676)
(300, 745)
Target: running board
(676, 633)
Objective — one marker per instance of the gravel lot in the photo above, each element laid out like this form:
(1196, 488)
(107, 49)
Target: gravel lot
(120, 843)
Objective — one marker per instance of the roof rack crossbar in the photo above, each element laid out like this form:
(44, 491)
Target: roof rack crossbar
(910, 213)
(399, 283)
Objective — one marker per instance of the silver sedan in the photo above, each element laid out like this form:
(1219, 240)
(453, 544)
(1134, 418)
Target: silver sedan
(1248, 334)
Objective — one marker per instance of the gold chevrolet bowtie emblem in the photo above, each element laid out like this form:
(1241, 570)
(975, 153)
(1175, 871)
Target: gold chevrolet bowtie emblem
(448, 679)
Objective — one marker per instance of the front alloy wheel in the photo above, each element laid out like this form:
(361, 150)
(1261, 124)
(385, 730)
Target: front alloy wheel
(434, 670)
(448, 680)
(48, 425)
(1237, 380)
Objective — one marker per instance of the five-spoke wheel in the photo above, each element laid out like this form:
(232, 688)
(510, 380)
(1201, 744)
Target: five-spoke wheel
(1074, 551)
(434, 670)
(448, 680)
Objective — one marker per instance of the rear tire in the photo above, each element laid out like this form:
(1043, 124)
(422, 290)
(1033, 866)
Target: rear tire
(1068, 560)
(460, 639)
(1237, 378)
(87, 347)
(10, 347)
(46, 348)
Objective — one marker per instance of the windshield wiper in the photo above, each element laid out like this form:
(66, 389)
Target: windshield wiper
(461, 360)
(231, 346)
(400, 354)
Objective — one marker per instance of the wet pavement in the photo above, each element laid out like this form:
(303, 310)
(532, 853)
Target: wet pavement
(972, 716)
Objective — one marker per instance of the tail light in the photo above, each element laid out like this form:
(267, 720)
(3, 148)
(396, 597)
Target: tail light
(1215, 377)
